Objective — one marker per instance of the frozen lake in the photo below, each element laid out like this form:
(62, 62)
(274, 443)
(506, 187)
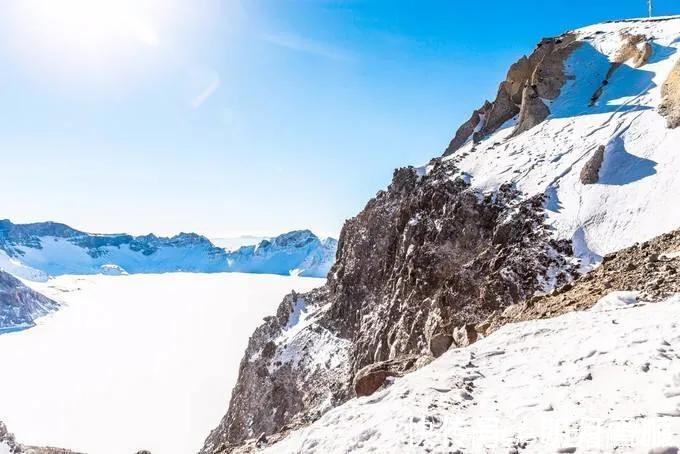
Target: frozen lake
(134, 362)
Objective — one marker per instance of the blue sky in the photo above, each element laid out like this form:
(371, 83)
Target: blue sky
(258, 117)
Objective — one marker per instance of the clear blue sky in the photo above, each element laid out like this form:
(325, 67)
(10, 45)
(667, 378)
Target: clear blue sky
(259, 117)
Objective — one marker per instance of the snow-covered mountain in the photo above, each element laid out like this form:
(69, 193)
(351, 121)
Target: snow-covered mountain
(576, 158)
(299, 252)
(39, 250)
(20, 305)
(605, 381)
(600, 148)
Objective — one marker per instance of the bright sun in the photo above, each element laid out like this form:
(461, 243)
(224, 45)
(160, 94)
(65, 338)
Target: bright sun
(92, 38)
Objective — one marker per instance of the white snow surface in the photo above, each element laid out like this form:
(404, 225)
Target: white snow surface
(604, 381)
(636, 196)
(134, 362)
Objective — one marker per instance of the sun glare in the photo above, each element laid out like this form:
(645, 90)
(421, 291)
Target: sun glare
(92, 38)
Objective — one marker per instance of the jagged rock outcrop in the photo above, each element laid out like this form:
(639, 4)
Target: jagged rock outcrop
(532, 112)
(424, 256)
(635, 48)
(20, 305)
(9, 445)
(540, 75)
(651, 268)
(670, 98)
(590, 173)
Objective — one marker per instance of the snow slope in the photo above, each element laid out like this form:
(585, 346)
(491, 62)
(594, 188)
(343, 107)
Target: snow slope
(638, 185)
(601, 381)
(133, 362)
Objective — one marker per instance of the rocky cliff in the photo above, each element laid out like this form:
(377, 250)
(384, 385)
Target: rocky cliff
(19, 305)
(558, 171)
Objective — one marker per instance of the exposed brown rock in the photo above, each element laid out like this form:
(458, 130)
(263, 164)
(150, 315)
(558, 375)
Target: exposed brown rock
(465, 335)
(466, 130)
(590, 174)
(502, 110)
(670, 97)
(519, 73)
(634, 48)
(549, 75)
(533, 111)
(372, 377)
(543, 71)
(440, 343)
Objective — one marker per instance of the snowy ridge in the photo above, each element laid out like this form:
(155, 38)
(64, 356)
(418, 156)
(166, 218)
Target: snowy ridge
(297, 253)
(37, 251)
(533, 387)
(637, 181)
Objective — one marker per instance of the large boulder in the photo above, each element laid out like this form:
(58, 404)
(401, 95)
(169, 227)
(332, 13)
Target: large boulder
(372, 377)
(533, 110)
(590, 173)
(670, 97)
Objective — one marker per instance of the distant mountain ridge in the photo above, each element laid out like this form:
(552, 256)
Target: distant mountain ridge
(38, 250)
(300, 252)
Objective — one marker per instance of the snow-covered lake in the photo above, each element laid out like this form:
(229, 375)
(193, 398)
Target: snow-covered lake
(134, 362)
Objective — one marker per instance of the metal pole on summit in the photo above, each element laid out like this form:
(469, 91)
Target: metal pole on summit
(649, 7)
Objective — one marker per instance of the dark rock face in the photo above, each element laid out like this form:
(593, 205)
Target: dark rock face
(19, 305)
(8, 440)
(424, 256)
(652, 267)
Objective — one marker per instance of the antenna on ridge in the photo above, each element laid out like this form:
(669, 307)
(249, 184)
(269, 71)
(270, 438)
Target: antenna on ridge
(649, 7)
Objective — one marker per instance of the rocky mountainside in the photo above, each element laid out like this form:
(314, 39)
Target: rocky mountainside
(576, 158)
(37, 251)
(20, 305)
(606, 380)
